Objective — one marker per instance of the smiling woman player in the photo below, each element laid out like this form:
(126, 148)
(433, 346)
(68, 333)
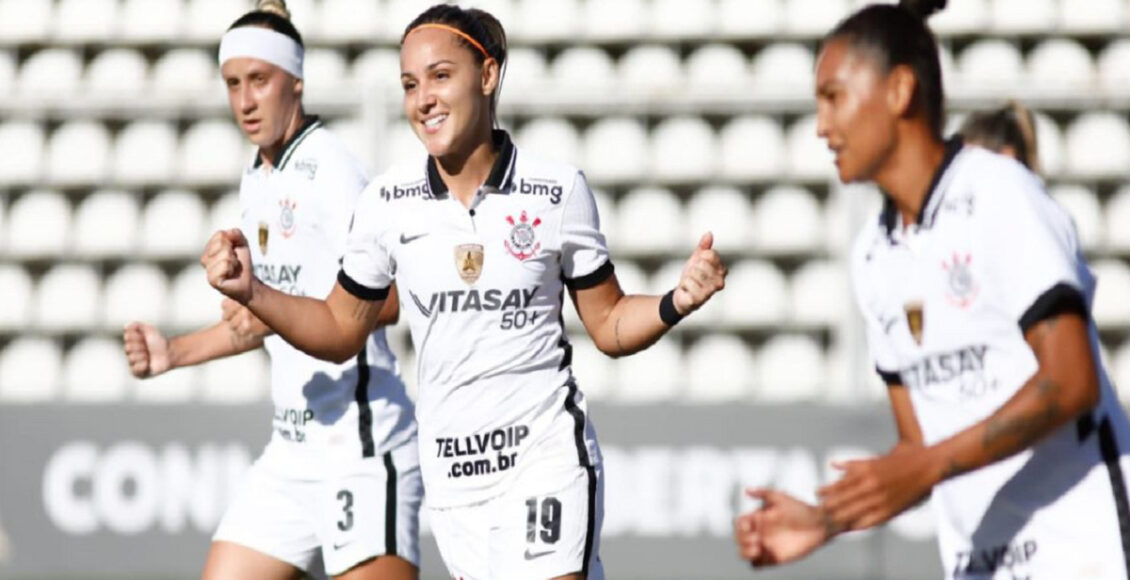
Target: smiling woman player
(340, 476)
(976, 298)
(483, 240)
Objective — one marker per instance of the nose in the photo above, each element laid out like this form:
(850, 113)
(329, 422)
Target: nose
(425, 98)
(823, 122)
(247, 101)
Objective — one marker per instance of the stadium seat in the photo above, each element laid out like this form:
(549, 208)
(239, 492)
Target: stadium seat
(613, 21)
(305, 16)
(68, 298)
(714, 68)
(581, 70)
(666, 277)
(380, 68)
(50, 73)
(821, 294)
(616, 149)
(648, 220)
(39, 225)
(723, 370)
(25, 21)
(752, 148)
(95, 370)
(173, 225)
(723, 210)
(137, 292)
(1083, 206)
(225, 213)
(1094, 16)
(540, 21)
(194, 302)
(1061, 67)
(206, 20)
(213, 151)
(7, 72)
(651, 376)
(15, 308)
(651, 69)
(756, 295)
(1049, 141)
(151, 20)
(809, 156)
(145, 153)
(748, 18)
(326, 74)
(22, 145)
(1117, 212)
(792, 369)
(85, 20)
(1098, 145)
(527, 73)
(1114, 69)
(29, 370)
(106, 224)
(964, 17)
(813, 17)
(350, 20)
(186, 73)
(117, 72)
(1024, 16)
(989, 68)
(1110, 307)
(595, 371)
(787, 220)
(237, 380)
(675, 19)
(78, 153)
(683, 149)
(784, 69)
(551, 137)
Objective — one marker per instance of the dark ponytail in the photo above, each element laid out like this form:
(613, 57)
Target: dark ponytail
(898, 36)
(271, 14)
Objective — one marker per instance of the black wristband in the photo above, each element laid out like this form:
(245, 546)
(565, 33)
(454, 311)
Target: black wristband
(667, 312)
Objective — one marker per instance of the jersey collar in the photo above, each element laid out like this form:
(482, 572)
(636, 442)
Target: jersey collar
(312, 122)
(501, 174)
(888, 218)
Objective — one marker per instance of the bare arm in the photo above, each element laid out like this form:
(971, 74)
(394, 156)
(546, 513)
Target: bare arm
(910, 433)
(150, 354)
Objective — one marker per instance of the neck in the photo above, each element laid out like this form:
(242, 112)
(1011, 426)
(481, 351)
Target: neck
(907, 173)
(465, 173)
(269, 153)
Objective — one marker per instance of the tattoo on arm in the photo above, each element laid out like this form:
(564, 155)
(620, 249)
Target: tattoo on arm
(361, 309)
(619, 347)
(1022, 429)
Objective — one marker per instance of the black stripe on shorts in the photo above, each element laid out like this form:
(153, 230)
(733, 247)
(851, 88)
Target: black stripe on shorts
(390, 505)
(364, 411)
(1108, 446)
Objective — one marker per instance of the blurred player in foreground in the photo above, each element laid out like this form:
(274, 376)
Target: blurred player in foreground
(339, 480)
(977, 304)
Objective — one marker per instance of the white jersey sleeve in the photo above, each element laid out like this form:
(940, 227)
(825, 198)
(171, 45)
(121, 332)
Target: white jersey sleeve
(367, 268)
(878, 343)
(584, 251)
(1032, 249)
(343, 188)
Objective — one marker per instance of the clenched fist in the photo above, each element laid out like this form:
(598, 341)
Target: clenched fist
(227, 261)
(147, 350)
(703, 275)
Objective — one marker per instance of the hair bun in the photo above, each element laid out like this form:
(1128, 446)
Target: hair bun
(276, 7)
(922, 8)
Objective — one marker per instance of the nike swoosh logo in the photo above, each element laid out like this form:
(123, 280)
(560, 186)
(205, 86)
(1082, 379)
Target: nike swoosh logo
(340, 546)
(532, 556)
(409, 239)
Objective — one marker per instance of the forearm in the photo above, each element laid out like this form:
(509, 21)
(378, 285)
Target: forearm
(632, 325)
(216, 341)
(309, 324)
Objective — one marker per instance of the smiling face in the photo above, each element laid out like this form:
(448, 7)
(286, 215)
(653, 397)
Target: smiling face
(856, 110)
(264, 99)
(447, 94)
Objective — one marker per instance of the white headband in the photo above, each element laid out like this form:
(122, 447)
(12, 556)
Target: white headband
(263, 44)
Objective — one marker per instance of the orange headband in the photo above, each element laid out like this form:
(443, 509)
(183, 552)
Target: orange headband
(453, 30)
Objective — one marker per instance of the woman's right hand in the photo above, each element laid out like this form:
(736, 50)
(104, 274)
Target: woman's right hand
(147, 350)
(227, 261)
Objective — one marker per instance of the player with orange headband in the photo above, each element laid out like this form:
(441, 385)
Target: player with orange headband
(483, 240)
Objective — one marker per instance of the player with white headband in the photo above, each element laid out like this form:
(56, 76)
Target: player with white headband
(339, 482)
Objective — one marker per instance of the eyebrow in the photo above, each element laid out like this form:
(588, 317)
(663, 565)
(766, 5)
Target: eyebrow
(430, 67)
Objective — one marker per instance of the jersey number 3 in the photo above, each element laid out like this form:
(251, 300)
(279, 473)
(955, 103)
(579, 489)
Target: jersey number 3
(346, 498)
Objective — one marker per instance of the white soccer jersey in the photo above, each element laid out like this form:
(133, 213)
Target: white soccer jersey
(482, 288)
(946, 302)
(296, 219)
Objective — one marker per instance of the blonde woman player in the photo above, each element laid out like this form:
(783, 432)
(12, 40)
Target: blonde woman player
(339, 480)
(483, 240)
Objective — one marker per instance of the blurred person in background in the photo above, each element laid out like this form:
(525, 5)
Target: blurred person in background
(976, 298)
(339, 481)
(1009, 130)
(482, 239)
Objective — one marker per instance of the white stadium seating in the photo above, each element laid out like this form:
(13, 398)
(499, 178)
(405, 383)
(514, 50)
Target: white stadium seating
(1110, 307)
(752, 147)
(651, 69)
(578, 71)
(552, 138)
(174, 225)
(30, 370)
(95, 371)
(792, 369)
(1117, 213)
(646, 221)
(106, 224)
(21, 146)
(821, 294)
(1098, 145)
(350, 20)
(145, 152)
(961, 17)
(1114, 67)
(25, 20)
(546, 20)
(68, 298)
(990, 68)
(151, 20)
(622, 19)
(652, 376)
(726, 211)
(813, 17)
(85, 20)
(1093, 16)
(746, 18)
(1049, 141)
(136, 292)
(39, 225)
(725, 370)
(117, 72)
(671, 19)
(1012, 16)
(1060, 67)
(713, 69)
(78, 153)
(527, 74)
(787, 220)
(785, 69)
(756, 294)
(186, 72)
(236, 380)
(595, 371)
(1083, 206)
(213, 151)
(616, 149)
(50, 73)
(325, 73)
(206, 20)
(380, 68)
(225, 213)
(683, 149)
(809, 157)
(194, 302)
(7, 72)
(15, 308)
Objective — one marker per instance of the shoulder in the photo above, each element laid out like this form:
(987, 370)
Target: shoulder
(401, 182)
(325, 156)
(996, 182)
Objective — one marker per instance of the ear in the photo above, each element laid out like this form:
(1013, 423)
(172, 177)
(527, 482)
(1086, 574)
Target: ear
(299, 86)
(490, 80)
(901, 84)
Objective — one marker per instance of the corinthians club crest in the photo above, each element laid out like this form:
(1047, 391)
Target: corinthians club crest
(962, 288)
(286, 217)
(522, 243)
(264, 233)
(469, 262)
(915, 320)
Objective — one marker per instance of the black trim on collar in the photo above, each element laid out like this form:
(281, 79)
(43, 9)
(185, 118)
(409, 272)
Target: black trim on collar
(888, 218)
(312, 122)
(501, 173)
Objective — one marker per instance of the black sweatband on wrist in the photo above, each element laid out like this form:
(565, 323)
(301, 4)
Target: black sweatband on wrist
(667, 312)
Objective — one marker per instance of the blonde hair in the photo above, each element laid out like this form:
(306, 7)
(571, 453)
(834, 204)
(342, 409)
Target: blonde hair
(1012, 126)
(276, 7)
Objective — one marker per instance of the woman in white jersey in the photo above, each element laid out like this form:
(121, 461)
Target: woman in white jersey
(339, 480)
(977, 299)
(482, 239)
